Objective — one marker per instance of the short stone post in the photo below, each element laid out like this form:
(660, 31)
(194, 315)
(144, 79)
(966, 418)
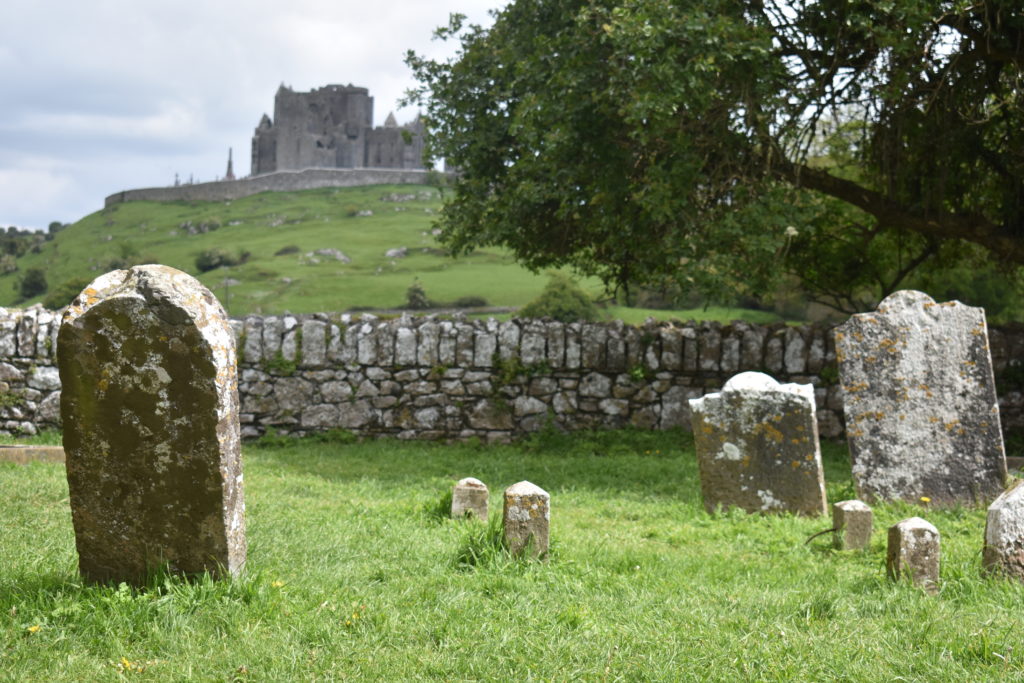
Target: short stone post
(1004, 534)
(914, 553)
(151, 432)
(469, 499)
(852, 522)
(526, 517)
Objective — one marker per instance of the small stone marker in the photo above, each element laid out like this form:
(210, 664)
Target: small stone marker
(526, 517)
(151, 433)
(852, 521)
(469, 499)
(1004, 534)
(922, 417)
(757, 446)
(914, 553)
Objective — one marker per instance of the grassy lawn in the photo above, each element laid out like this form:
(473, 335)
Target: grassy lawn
(354, 574)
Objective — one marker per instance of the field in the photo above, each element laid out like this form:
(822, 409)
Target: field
(282, 231)
(354, 573)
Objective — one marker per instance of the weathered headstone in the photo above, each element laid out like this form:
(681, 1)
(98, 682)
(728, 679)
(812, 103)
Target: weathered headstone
(151, 433)
(526, 518)
(922, 418)
(852, 521)
(1004, 534)
(469, 499)
(757, 446)
(914, 553)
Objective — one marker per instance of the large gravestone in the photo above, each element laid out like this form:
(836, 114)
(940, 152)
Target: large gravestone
(151, 433)
(922, 419)
(757, 446)
(1003, 552)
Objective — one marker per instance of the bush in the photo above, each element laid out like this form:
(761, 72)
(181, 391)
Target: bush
(33, 284)
(563, 300)
(469, 302)
(416, 297)
(290, 249)
(64, 293)
(215, 258)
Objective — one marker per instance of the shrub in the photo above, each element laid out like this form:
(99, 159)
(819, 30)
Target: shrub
(33, 283)
(64, 293)
(416, 297)
(469, 302)
(215, 258)
(563, 300)
(290, 249)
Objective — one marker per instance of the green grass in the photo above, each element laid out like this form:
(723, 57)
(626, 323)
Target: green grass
(354, 574)
(268, 283)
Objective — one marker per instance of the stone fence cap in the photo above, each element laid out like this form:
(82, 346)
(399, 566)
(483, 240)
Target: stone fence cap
(916, 523)
(525, 488)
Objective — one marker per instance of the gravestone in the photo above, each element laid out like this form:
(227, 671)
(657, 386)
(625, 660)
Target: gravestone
(922, 419)
(1004, 534)
(852, 521)
(151, 433)
(526, 517)
(757, 446)
(469, 499)
(913, 553)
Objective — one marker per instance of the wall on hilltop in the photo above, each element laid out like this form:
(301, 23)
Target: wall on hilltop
(431, 378)
(281, 181)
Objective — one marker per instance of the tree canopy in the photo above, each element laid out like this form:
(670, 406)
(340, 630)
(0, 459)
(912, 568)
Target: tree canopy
(712, 141)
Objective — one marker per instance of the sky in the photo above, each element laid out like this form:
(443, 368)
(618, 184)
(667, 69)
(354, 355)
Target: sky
(102, 96)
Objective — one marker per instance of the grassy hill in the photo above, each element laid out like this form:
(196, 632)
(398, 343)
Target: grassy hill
(282, 232)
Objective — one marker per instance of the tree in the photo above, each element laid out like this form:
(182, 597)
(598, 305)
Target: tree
(33, 283)
(644, 140)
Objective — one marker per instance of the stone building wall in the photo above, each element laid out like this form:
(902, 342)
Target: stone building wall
(433, 378)
(281, 181)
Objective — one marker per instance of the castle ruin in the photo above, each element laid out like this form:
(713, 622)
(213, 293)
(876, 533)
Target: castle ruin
(332, 127)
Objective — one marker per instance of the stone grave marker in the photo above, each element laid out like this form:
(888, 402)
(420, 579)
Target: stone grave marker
(852, 521)
(469, 499)
(913, 553)
(526, 518)
(757, 446)
(151, 432)
(922, 419)
(1004, 534)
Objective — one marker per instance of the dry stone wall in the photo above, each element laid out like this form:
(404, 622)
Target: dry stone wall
(450, 378)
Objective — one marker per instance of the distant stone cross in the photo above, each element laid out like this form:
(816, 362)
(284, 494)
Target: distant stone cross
(922, 417)
(150, 411)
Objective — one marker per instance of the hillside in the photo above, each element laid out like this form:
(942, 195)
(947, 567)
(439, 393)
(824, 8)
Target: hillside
(283, 233)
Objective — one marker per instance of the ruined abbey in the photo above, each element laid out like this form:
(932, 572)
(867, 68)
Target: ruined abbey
(332, 127)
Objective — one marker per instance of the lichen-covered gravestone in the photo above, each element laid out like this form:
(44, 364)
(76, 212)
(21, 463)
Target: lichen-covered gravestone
(757, 447)
(526, 518)
(151, 433)
(469, 499)
(1004, 534)
(914, 553)
(852, 521)
(922, 419)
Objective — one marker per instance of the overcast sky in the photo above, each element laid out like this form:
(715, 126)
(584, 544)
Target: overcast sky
(107, 95)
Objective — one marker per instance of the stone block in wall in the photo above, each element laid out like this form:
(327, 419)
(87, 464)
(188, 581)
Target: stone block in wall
(26, 333)
(465, 342)
(366, 343)
(671, 348)
(314, 344)
(816, 350)
(252, 344)
(446, 344)
(385, 332)
(508, 340)
(710, 347)
(485, 347)
(593, 339)
(427, 342)
(998, 349)
(751, 347)
(490, 414)
(795, 355)
(322, 416)
(634, 339)
(690, 348)
(774, 351)
(528, 405)
(290, 345)
(731, 340)
(45, 322)
(405, 346)
(533, 347)
(646, 417)
(675, 407)
(573, 349)
(615, 348)
(356, 414)
(48, 410)
(272, 333)
(44, 378)
(564, 403)
(595, 384)
(8, 334)
(555, 338)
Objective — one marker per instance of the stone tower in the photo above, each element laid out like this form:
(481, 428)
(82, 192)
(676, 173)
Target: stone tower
(230, 173)
(332, 127)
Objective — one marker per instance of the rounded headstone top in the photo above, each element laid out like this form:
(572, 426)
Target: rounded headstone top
(905, 298)
(471, 482)
(852, 505)
(916, 523)
(525, 488)
(751, 381)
